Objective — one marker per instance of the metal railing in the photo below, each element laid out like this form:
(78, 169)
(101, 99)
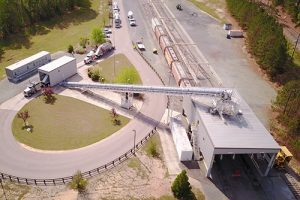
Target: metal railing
(87, 174)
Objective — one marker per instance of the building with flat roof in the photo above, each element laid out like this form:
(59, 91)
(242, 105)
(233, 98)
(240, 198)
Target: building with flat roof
(220, 134)
(57, 70)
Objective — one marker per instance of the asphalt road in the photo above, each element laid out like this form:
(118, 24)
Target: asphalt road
(18, 161)
(226, 57)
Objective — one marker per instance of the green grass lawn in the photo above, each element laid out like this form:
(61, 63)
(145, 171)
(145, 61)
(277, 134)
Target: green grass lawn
(207, 7)
(106, 68)
(67, 124)
(54, 35)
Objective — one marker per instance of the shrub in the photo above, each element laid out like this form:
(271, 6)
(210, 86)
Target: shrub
(98, 36)
(83, 41)
(95, 75)
(152, 149)
(78, 182)
(80, 50)
(181, 187)
(70, 49)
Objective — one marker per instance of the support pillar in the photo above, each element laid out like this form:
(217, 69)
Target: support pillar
(270, 165)
(208, 174)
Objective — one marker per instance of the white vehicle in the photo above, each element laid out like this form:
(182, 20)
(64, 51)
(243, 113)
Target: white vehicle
(140, 46)
(130, 15)
(89, 57)
(33, 88)
(117, 21)
(235, 33)
(107, 31)
(115, 7)
(132, 22)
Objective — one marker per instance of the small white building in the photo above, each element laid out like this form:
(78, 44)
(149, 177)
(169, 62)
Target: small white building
(27, 67)
(58, 70)
(181, 140)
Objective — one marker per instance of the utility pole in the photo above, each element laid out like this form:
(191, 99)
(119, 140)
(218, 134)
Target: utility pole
(3, 189)
(134, 136)
(295, 45)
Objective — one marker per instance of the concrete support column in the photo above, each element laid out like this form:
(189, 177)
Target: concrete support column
(270, 165)
(208, 174)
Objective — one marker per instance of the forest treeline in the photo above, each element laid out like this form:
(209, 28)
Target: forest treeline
(268, 45)
(264, 35)
(292, 7)
(15, 15)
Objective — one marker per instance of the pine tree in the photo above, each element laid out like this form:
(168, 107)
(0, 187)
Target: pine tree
(181, 187)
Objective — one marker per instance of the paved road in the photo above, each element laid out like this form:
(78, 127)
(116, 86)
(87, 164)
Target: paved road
(226, 57)
(16, 160)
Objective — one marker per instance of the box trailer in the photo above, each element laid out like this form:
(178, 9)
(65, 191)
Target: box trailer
(27, 67)
(235, 33)
(182, 144)
(57, 71)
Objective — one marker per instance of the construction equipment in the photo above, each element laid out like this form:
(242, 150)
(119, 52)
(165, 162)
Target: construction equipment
(283, 158)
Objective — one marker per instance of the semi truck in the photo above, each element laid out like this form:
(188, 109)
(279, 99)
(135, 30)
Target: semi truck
(234, 33)
(32, 89)
(103, 48)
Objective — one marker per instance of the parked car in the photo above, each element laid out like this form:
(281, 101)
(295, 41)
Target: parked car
(132, 22)
(107, 30)
(140, 46)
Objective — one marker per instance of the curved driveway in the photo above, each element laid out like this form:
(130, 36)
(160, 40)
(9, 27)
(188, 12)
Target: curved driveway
(18, 161)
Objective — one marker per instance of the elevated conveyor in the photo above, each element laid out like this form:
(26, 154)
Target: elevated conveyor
(174, 91)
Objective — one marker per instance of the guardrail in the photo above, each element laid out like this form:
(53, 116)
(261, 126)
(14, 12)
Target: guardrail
(87, 174)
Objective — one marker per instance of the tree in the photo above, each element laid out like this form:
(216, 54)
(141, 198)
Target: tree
(115, 117)
(288, 104)
(78, 182)
(48, 95)
(181, 187)
(98, 36)
(70, 49)
(24, 116)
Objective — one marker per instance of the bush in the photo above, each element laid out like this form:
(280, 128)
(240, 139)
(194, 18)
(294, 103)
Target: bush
(95, 75)
(98, 36)
(78, 182)
(80, 50)
(181, 187)
(83, 41)
(70, 49)
(152, 149)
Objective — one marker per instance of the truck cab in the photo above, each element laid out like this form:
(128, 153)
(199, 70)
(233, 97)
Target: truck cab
(32, 88)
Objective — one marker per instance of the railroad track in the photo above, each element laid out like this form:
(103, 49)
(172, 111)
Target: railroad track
(200, 76)
(293, 184)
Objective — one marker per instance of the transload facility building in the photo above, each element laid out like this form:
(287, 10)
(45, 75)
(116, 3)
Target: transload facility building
(218, 135)
(24, 68)
(58, 70)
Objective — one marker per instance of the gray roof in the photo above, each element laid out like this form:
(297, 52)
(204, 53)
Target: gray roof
(28, 60)
(242, 132)
(56, 63)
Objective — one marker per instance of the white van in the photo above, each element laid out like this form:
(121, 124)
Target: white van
(115, 7)
(117, 21)
(130, 15)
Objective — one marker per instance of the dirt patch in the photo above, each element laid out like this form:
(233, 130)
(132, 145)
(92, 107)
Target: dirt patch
(139, 177)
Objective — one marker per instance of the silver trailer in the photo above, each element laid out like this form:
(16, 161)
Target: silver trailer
(58, 70)
(25, 68)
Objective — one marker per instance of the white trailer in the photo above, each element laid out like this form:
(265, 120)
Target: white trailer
(181, 140)
(25, 68)
(58, 70)
(235, 33)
